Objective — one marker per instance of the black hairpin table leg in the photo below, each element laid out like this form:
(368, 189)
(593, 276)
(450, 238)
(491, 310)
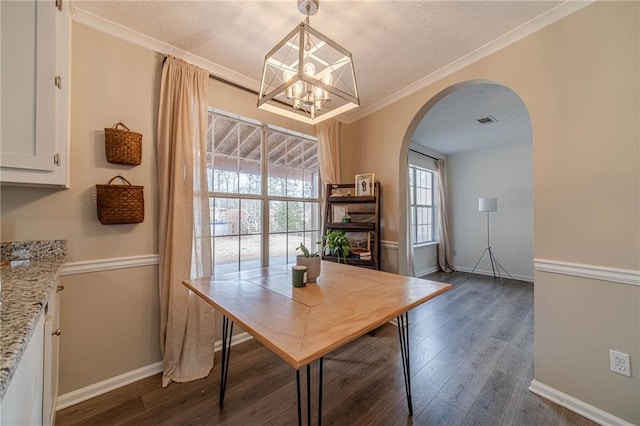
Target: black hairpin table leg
(320, 362)
(403, 332)
(227, 331)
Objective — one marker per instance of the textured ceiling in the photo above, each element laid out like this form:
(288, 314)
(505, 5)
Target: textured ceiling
(451, 126)
(394, 43)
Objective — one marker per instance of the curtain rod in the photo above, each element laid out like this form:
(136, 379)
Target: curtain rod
(233, 84)
(426, 155)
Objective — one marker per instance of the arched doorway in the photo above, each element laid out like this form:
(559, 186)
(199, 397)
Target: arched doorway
(483, 132)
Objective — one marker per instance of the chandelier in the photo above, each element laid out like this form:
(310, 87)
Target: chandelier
(307, 76)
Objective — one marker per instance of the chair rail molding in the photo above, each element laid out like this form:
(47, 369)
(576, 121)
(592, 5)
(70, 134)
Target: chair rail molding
(602, 273)
(86, 266)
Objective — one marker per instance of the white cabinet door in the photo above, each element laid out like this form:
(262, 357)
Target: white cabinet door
(51, 352)
(34, 88)
(22, 402)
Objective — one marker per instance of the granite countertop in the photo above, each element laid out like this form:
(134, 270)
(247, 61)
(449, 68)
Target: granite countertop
(25, 285)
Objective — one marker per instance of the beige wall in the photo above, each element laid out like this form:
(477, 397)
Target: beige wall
(110, 319)
(579, 79)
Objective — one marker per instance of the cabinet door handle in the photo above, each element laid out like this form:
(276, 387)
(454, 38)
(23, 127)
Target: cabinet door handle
(57, 332)
(59, 288)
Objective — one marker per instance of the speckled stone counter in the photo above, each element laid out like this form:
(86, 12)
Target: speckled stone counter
(26, 282)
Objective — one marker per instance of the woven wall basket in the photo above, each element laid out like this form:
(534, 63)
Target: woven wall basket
(122, 146)
(120, 204)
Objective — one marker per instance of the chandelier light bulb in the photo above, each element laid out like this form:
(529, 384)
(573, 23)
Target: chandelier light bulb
(287, 76)
(309, 69)
(328, 80)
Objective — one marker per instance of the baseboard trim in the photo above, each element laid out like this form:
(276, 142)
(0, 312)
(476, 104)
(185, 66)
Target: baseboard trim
(427, 271)
(602, 273)
(576, 405)
(77, 396)
(86, 266)
(490, 273)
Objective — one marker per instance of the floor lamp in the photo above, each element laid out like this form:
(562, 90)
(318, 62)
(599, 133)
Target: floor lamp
(487, 205)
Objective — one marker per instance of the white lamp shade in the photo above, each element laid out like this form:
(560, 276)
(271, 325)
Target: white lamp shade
(487, 204)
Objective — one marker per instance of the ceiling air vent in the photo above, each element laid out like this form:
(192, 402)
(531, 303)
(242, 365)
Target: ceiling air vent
(486, 120)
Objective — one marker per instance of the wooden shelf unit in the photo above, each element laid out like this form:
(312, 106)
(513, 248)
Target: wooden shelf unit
(365, 218)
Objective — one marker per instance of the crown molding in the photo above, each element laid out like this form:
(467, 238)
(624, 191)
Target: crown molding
(557, 13)
(120, 31)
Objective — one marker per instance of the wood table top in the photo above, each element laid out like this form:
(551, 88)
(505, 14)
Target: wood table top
(304, 324)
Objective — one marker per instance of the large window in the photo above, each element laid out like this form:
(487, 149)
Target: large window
(422, 195)
(264, 192)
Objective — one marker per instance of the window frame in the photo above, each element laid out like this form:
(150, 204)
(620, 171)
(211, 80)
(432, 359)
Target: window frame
(430, 204)
(264, 197)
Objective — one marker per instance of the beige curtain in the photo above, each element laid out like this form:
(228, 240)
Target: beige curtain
(328, 133)
(444, 247)
(186, 323)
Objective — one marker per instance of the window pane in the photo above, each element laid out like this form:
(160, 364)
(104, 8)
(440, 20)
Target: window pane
(429, 180)
(250, 179)
(311, 184)
(277, 249)
(225, 175)
(311, 216)
(295, 216)
(251, 217)
(293, 241)
(225, 214)
(311, 241)
(249, 141)
(294, 167)
(226, 254)
(250, 248)
(225, 135)
(277, 180)
(277, 216)
(276, 153)
(429, 197)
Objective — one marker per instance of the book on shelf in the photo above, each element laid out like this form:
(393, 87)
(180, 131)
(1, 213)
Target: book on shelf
(362, 254)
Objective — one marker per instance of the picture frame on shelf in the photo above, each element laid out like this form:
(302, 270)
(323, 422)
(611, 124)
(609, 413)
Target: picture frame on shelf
(338, 211)
(359, 240)
(364, 184)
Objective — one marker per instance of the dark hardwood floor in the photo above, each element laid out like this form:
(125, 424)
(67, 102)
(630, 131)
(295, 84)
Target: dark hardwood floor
(471, 364)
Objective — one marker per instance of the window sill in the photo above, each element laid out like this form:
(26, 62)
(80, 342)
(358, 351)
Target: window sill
(432, 243)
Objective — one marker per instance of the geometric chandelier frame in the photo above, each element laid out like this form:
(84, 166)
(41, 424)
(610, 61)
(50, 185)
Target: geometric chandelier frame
(307, 76)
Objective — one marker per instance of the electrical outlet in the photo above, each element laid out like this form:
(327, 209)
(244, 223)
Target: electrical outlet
(620, 363)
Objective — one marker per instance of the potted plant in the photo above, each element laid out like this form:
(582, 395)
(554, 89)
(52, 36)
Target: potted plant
(335, 243)
(311, 261)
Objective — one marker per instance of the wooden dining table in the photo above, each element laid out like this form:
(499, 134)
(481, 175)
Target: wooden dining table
(303, 324)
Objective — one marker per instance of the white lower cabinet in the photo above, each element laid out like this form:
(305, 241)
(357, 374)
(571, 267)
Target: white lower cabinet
(31, 396)
(22, 402)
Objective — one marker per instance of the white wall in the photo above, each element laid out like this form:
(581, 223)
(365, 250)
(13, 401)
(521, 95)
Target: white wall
(506, 174)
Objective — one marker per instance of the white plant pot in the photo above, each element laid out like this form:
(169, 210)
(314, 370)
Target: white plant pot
(313, 266)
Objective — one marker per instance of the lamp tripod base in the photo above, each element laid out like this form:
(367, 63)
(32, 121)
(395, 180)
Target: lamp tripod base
(495, 266)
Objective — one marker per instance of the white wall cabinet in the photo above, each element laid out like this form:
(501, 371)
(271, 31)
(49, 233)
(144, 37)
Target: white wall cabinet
(31, 396)
(35, 89)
